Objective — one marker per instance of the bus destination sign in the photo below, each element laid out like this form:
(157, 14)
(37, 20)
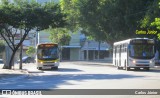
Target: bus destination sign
(142, 41)
(47, 45)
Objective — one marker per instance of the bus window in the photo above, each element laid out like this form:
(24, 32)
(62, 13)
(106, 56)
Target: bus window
(131, 50)
(140, 51)
(48, 53)
(144, 53)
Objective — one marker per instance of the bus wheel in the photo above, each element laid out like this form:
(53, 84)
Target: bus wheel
(127, 68)
(39, 68)
(137, 68)
(54, 68)
(147, 68)
(119, 67)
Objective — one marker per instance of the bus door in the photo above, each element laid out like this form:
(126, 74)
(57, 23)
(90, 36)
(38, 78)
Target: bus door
(120, 55)
(114, 55)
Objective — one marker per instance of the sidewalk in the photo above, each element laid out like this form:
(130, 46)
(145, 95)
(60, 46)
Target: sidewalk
(9, 73)
(15, 71)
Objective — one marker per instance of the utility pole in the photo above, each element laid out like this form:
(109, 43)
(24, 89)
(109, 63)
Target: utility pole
(21, 48)
(99, 46)
(87, 50)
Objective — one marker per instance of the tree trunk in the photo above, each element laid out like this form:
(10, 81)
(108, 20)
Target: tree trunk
(11, 61)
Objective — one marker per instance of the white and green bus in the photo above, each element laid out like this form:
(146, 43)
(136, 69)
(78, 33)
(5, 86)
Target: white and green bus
(134, 53)
(47, 56)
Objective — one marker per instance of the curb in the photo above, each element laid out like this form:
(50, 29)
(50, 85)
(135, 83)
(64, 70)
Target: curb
(101, 63)
(93, 63)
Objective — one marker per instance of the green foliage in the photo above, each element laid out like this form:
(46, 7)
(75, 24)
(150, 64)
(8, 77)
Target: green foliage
(2, 46)
(152, 21)
(26, 16)
(147, 23)
(156, 23)
(23, 14)
(60, 36)
(31, 51)
(151, 13)
(106, 20)
(70, 8)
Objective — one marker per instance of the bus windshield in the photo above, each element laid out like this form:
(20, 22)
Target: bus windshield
(48, 53)
(139, 51)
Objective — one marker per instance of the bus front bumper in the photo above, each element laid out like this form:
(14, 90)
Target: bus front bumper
(48, 65)
(142, 63)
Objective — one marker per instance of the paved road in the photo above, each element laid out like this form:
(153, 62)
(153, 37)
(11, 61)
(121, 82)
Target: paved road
(86, 75)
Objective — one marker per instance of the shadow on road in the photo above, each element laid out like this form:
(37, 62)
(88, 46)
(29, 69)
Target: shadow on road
(54, 81)
(68, 70)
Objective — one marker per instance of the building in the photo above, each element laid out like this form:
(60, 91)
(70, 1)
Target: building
(95, 50)
(72, 51)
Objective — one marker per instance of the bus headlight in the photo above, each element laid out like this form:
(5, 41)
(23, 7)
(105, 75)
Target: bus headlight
(134, 61)
(150, 61)
(56, 63)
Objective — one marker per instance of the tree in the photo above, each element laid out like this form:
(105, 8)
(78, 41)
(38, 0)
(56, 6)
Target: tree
(31, 51)
(106, 20)
(26, 16)
(70, 8)
(60, 36)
